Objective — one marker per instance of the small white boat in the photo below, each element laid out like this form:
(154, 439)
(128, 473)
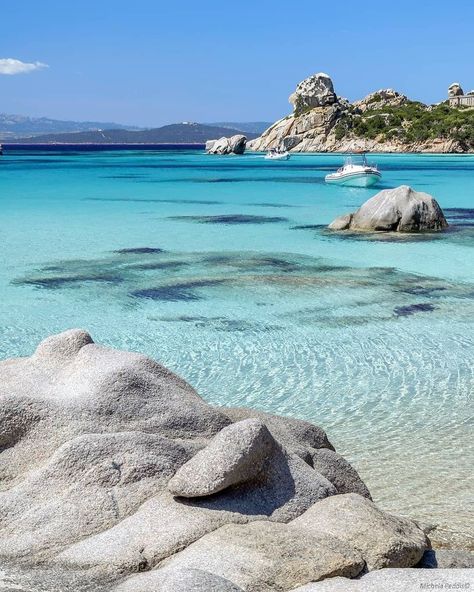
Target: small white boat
(356, 172)
(276, 154)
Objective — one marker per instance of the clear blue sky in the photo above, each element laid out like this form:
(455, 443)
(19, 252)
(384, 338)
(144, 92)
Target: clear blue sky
(150, 62)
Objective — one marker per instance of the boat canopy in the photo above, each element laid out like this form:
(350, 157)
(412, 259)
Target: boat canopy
(358, 159)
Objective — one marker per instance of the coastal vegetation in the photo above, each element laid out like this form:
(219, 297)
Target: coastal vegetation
(410, 122)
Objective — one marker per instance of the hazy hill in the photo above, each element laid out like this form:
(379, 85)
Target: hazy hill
(253, 127)
(177, 133)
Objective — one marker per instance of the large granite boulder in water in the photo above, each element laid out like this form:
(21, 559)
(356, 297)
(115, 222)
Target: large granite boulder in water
(233, 145)
(111, 464)
(398, 210)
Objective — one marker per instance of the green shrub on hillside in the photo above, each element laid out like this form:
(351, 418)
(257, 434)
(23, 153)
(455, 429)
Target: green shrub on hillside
(411, 122)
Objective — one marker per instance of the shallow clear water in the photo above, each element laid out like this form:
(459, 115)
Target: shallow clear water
(256, 304)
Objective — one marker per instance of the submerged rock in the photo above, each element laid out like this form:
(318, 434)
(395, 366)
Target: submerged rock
(398, 210)
(233, 145)
(447, 559)
(93, 444)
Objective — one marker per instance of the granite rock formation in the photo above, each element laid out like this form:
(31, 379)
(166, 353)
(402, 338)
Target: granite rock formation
(315, 91)
(455, 90)
(233, 145)
(384, 121)
(398, 210)
(110, 465)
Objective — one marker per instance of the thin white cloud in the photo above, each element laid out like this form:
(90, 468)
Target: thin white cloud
(11, 66)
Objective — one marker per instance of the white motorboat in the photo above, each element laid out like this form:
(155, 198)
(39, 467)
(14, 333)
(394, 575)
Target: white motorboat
(276, 154)
(356, 172)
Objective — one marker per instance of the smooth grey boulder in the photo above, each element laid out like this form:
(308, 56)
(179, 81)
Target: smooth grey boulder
(397, 580)
(447, 559)
(296, 435)
(177, 580)
(382, 539)
(339, 472)
(233, 145)
(315, 91)
(265, 556)
(398, 210)
(235, 455)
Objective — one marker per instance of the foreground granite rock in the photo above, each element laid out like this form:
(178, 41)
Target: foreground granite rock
(233, 145)
(110, 465)
(397, 210)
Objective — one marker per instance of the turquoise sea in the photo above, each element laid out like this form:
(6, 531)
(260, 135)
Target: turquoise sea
(222, 269)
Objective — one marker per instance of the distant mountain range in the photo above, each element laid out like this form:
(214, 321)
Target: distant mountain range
(16, 126)
(177, 133)
(13, 127)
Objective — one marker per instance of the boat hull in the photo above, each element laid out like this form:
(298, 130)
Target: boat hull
(355, 179)
(278, 157)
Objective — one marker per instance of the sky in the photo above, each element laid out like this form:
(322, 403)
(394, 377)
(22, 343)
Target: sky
(150, 62)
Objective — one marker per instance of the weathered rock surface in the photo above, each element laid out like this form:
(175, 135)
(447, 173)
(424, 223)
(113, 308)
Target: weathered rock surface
(397, 580)
(398, 210)
(233, 145)
(265, 556)
(315, 91)
(385, 97)
(383, 540)
(95, 442)
(177, 580)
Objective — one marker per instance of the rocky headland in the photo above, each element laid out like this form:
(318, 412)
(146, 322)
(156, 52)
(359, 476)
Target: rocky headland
(384, 121)
(116, 475)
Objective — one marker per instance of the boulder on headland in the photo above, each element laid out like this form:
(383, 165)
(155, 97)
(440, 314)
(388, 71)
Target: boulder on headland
(315, 91)
(398, 210)
(385, 97)
(110, 465)
(233, 145)
(455, 90)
